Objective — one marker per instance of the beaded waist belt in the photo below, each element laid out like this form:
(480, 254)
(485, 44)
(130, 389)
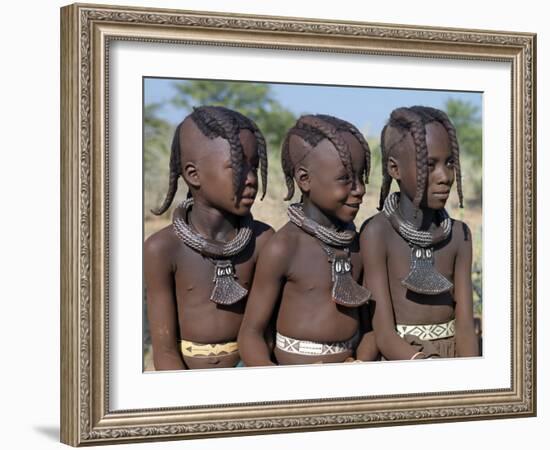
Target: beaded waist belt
(291, 345)
(428, 332)
(189, 348)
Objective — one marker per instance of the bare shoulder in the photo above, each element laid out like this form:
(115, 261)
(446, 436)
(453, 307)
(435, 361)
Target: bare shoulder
(281, 244)
(461, 232)
(375, 227)
(262, 232)
(161, 245)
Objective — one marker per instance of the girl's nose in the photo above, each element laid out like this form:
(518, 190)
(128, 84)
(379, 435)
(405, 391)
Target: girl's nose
(251, 176)
(445, 175)
(359, 188)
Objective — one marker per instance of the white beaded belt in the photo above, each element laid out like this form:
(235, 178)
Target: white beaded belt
(291, 345)
(428, 332)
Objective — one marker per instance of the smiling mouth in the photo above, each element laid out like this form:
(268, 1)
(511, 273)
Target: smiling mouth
(353, 205)
(248, 199)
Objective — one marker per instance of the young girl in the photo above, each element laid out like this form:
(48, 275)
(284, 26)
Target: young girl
(199, 269)
(417, 260)
(307, 273)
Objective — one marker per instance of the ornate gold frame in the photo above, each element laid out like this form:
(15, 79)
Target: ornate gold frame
(86, 31)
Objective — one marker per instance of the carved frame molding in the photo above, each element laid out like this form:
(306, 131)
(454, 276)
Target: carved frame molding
(86, 32)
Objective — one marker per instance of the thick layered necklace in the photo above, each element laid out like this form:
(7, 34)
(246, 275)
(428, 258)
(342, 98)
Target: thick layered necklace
(226, 290)
(423, 278)
(345, 290)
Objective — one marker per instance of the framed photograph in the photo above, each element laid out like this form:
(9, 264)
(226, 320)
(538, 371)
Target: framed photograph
(130, 75)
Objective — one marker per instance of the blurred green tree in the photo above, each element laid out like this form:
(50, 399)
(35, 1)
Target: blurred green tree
(254, 100)
(157, 137)
(467, 121)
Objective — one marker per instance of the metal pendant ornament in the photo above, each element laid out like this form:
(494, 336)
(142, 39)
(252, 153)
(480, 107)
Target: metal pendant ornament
(345, 290)
(423, 278)
(226, 290)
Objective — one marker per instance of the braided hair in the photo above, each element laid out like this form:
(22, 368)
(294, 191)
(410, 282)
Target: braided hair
(213, 122)
(413, 120)
(313, 129)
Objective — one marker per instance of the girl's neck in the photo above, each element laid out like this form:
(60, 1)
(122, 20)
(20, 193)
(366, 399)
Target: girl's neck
(421, 218)
(313, 212)
(212, 223)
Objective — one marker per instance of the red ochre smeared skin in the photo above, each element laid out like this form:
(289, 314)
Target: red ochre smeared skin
(178, 279)
(293, 274)
(386, 254)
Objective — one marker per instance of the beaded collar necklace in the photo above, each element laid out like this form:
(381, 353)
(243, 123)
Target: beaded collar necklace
(226, 290)
(345, 290)
(423, 278)
(328, 236)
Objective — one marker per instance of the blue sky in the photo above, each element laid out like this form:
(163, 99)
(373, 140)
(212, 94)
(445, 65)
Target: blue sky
(367, 108)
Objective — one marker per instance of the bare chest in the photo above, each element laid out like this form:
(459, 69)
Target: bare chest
(194, 274)
(311, 268)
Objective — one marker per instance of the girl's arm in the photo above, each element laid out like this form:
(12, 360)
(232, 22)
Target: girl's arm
(466, 339)
(375, 278)
(162, 311)
(268, 281)
(367, 350)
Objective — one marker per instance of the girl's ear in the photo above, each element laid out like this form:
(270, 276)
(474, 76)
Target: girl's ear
(302, 178)
(191, 175)
(393, 168)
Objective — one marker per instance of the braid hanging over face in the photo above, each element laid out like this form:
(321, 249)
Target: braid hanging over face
(213, 122)
(175, 172)
(413, 120)
(444, 120)
(313, 129)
